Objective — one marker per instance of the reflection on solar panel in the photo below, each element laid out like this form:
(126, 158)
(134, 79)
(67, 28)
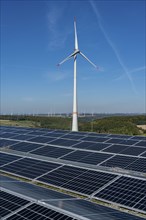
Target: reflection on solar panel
(126, 191)
(77, 179)
(30, 168)
(36, 211)
(14, 207)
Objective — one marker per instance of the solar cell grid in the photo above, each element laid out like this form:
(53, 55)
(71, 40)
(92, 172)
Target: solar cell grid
(141, 205)
(142, 138)
(38, 212)
(115, 148)
(7, 158)
(125, 190)
(30, 168)
(37, 133)
(64, 142)
(54, 135)
(141, 143)
(95, 158)
(25, 146)
(41, 139)
(51, 151)
(7, 143)
(98, 146)
(133, 151)
(144, 154)
(115, 141)
(119, 161)
(9, 203)
(91, 145)
(8, 135)
(87, 157)
(119, 136)
(89, 181)
(22, 137)
(95, 139)
(138, 165)
(74, 137)
(77, 179)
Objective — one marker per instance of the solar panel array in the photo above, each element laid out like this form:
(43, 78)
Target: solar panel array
(14, 207)
(100, 150)
(78, 208)
(88, 148)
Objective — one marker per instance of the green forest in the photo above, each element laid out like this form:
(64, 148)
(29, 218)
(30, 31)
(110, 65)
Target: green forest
(113, 124)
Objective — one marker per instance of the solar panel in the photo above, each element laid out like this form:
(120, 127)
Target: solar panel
(64, 142)
(41, 139)
(141, 143)
(115, 148)
(144, 154)
(119, 161)
(4, 143)
(10, 203)
(23, 137)
(25, 146)
(125, 190)
(7, 135)
(14, 207)
(73, 137)
(91, 145)
(95, 139)
(133, 151)
(87, 157)
(138, 165)
(51, 151)
(7, 158)
(77, 179)
(30, 168)
(38, 212)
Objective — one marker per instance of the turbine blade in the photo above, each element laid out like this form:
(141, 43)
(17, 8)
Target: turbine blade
(76, 38)
(67, 58)
(88, 60)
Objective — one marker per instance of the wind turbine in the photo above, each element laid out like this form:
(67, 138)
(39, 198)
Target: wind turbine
(74, 55)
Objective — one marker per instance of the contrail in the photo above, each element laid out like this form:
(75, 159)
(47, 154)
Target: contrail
(95, 9)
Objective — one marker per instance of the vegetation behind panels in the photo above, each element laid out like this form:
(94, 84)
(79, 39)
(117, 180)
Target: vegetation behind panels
(113, 125)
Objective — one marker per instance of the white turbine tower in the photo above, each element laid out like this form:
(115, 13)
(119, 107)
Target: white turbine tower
(74, 55)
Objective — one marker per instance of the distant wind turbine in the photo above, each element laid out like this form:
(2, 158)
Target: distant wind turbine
(74, 55)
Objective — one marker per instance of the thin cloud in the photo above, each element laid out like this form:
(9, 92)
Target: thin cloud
(111, 44)
(135, 70)
(58, 37)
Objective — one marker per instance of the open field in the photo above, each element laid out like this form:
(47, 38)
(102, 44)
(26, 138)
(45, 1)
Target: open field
(129, 125)
(26, 123)
(142, 126)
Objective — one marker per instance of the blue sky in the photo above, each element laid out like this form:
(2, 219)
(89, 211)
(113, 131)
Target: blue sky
(36, 35)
